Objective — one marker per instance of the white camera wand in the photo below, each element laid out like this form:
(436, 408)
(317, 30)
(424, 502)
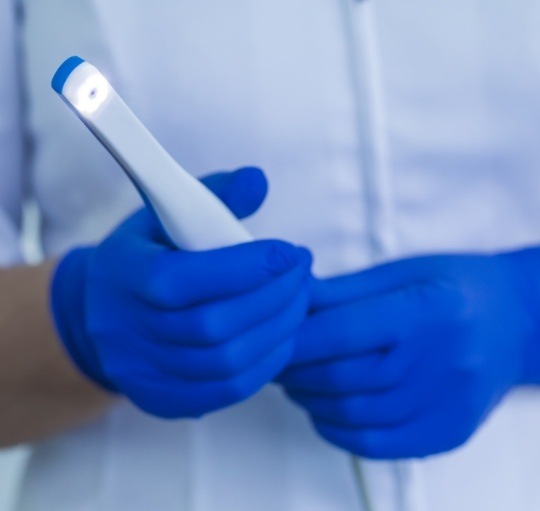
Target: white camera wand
(192, 216)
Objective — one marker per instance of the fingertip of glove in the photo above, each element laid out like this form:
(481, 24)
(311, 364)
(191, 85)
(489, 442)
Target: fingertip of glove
(305, 256)
(283, 256)
(247, 191)
(253, 176)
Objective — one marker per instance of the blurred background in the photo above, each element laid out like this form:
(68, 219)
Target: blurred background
(11, 465)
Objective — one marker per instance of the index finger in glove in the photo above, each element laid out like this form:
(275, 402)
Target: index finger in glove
(356, 328)
(178, 279)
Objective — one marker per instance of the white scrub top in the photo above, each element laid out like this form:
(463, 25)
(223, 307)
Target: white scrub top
(386, 127)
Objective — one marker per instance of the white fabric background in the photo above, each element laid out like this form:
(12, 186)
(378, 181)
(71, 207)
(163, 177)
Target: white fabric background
(11, 464)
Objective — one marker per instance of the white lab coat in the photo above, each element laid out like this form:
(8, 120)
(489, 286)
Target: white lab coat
(386, 127)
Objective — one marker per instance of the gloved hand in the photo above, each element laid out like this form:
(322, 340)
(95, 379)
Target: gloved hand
(407, 359)
(183, 333)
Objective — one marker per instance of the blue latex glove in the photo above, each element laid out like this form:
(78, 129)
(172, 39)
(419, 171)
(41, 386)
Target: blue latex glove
(407, 359)
(183, 333)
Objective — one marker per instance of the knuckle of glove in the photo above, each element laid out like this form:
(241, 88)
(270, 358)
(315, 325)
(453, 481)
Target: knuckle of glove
(368, 446)
(279, 258)
(207, 326)
(346, 412)
(157, 284)
(333, 378)
(229, 362)
(235, 390)
(334, 411)
(354, 441)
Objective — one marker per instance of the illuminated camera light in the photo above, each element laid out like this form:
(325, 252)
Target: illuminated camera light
(82, 86)
(91, 94)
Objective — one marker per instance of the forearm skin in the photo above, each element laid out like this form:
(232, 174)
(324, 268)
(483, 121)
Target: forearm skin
(41, 392)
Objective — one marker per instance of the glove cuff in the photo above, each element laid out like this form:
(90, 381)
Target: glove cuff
(526, 264)
(67, 299)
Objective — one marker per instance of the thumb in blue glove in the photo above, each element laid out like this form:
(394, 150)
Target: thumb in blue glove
(182, 333)
(407, 359)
